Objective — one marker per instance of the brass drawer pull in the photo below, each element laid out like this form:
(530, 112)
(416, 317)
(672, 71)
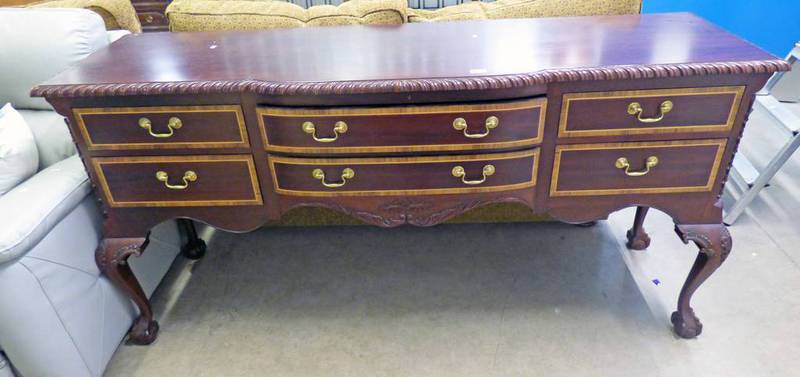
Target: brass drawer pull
(635, 108)
(347, 173)
(458, 172)
(188, 176)
(460, 124)
(622, 163)
(173, 124)
(338, 129)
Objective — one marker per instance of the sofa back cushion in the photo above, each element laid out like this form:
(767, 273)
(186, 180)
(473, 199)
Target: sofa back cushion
(213, 15)
(526, 9)
(36, 44)
(52, 136)
(19, 158)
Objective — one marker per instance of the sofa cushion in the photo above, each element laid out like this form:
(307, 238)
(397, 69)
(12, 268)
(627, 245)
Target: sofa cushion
(51, 134)
(116, 14)
(525, 9)
(210, 15)
(19, 158)
(38, 44)
(38, 204)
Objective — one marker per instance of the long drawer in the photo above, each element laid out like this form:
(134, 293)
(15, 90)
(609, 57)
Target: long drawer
(162, 127)
(404, 175)
(657, 111)
(178, 181)
(510, 124)
(636, 168)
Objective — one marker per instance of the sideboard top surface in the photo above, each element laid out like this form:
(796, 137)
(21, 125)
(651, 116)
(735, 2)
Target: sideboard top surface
(464, 55)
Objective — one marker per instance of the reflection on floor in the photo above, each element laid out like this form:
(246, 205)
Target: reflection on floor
(483, 300)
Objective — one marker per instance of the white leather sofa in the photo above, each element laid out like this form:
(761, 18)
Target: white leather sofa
(58, 316)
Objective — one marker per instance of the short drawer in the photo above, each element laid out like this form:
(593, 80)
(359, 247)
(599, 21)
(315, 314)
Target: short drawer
(178, 181)
(153, 20)
(510, 124)
(635, 112)
(162, 127)
(636, 168)
(404, 175)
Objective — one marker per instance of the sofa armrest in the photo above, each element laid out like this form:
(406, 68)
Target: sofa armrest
(38, 204)
(114, 35)
(116, 14)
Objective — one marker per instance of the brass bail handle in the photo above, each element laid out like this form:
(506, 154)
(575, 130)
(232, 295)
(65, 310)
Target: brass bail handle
(460, 124)
(339, 128)
(188, 176)
(459, 172)
(635, 108)
(623, 163)
(347, 173)
(173, 124)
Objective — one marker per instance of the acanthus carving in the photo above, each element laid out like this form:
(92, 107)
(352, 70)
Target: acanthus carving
(710, 242)
(410, 211)
(117, 251)
(621, 72)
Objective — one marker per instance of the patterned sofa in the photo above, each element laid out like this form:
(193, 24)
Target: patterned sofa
(477, 10)
(205, 15)
(208, 15)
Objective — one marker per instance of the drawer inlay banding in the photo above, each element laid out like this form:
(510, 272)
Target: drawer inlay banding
(154, 127)
(387, 176)
(661, 167)
(652, 111)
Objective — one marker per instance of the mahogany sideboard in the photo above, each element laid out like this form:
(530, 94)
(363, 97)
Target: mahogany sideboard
(573, 117)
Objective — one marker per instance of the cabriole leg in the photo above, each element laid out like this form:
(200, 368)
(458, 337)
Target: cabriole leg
(637, 237)
(715, 244)
(112, 258)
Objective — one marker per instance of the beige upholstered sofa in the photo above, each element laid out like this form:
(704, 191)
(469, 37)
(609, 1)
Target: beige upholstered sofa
(477, 10)
(205, 15)
(208, 15)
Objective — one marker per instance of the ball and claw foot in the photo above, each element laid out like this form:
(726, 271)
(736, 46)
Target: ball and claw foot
(143, 332)
(637, 241)
(194, 249)
(686, 328)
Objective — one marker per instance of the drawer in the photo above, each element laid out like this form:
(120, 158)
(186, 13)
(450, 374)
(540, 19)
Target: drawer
(636, 168)
(510, 124)
(178, 181)
(153, 20)
(162, 127)
(636, 112)
(404, 175)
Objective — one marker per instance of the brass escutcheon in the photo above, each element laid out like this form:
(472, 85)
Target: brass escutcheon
(623, 163)
(339, 128)
(460, 124)
(635, 108)
(188, 176)
(459, 172)
(173, 124)
(347, 173)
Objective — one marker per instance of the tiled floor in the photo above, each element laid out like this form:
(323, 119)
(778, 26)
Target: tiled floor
(483, 300)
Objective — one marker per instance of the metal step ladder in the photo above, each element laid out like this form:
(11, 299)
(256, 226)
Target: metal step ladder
(783, 86)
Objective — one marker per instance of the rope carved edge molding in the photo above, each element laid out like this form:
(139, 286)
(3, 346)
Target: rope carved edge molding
(623, 72)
